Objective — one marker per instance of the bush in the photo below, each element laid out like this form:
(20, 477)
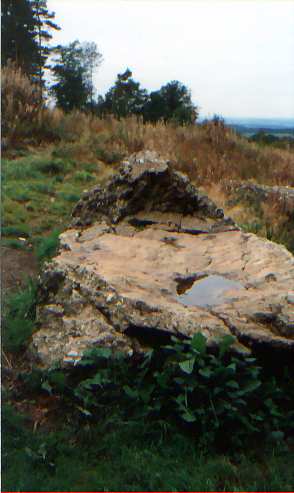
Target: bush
(52, 166)
(209, 393)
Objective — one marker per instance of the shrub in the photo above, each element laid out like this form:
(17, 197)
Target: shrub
(52, 166)
(208, 392)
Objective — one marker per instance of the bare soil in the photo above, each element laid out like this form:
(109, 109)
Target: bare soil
(16, 267)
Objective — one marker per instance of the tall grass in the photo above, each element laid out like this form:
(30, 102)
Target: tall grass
(21, 103)
(208, 153)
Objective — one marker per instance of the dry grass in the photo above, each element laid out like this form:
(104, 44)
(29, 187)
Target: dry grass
(208, 153)
(20, 100)
(271, 218)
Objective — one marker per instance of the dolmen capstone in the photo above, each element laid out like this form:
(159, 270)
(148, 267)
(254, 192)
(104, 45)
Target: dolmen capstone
(147, 257)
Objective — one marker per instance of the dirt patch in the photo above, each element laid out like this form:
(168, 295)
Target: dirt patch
(16, 267)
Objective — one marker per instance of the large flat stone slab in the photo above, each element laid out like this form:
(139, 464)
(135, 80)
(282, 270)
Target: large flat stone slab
(126, 271)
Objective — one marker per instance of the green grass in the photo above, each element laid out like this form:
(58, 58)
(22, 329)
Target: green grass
(17, 230)
(83, 176)
(19, 318)
(116, 456)
(113, 453)
(14, 243)
(39, 192)
(46, 247)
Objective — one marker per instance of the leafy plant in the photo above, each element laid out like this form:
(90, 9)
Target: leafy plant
(184, 382)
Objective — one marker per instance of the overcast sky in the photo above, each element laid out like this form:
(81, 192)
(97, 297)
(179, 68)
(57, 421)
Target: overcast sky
(237, 57)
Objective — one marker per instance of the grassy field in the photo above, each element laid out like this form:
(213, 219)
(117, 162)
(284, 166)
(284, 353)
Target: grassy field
(39, 191)
(47, 443)
(41, 182)
(126, 457)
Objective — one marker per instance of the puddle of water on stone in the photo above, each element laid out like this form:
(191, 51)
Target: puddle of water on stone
(207, 291)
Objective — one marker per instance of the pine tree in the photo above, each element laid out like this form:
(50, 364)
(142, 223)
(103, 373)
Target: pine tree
(25, 28)
(43, 25)
(18, 34)
(125, 98)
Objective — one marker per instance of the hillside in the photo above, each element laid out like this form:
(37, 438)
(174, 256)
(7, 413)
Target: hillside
(44, 175)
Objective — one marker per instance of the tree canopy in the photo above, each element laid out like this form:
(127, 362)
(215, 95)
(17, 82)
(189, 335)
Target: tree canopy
(73, 72)
(125, 98)
(26, 33)
(25, 29)
(172, 102)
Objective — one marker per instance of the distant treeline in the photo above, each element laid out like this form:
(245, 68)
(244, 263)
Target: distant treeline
(27, 27)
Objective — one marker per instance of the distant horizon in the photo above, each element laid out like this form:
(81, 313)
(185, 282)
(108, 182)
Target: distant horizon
(249, 118)
(235, 57)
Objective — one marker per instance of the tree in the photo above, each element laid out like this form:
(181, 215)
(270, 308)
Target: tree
(26, 26)
(18, 35)
(92, 60)
(171, 103)
(43, 25)
(73, 71)
(124, 98)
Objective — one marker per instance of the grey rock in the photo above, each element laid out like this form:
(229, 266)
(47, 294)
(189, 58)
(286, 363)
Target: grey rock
(156, 233)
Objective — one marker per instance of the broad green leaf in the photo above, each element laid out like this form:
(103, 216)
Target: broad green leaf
(188, 417)
(232, 367)
(84, 411)
(277, 435)
(232, 384)
(205, 372)
(46, 386)
(225, 343)
(198, 342)
(251, 386)
(133, 394)
(103, 353)
(187, 366)
(98, 379)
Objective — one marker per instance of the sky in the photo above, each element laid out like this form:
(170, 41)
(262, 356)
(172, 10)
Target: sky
(236, 56)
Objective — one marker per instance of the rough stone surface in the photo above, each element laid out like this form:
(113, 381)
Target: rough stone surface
(132, 244)
(252, 191)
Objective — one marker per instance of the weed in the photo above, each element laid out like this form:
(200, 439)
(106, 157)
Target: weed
(182, 383)
(46, 247)
(19, 318)
(83, 176)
